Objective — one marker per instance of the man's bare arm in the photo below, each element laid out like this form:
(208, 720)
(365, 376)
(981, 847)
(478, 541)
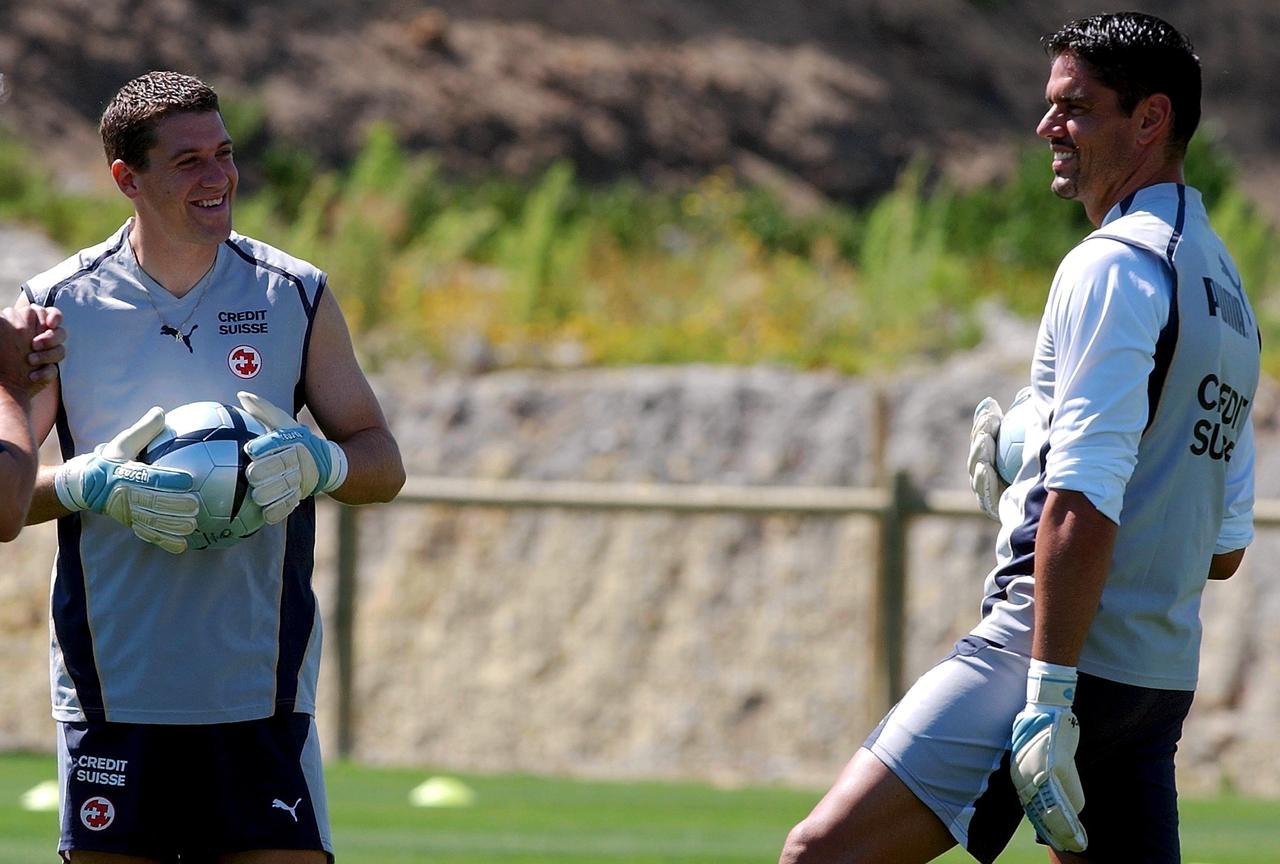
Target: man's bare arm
(28, 373)
(1225, 565)
(1074, 542)
(347, 411)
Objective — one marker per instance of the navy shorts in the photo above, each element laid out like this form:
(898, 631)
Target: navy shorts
(948, 741)
(192, 793)
(1128, 736)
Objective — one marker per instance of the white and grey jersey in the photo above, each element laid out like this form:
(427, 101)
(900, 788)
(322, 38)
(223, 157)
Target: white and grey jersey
(1142, 382)
(209, 636)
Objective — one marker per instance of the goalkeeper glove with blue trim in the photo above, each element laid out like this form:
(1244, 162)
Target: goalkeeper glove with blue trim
(288, 463)
(155, 502)
(1043, 765)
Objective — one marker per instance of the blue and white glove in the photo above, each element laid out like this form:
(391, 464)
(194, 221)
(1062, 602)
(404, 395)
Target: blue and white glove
(155, 502)
(288, 463)
(1043, 766)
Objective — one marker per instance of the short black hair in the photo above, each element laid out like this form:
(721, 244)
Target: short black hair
(1137, 55)
(128, 124)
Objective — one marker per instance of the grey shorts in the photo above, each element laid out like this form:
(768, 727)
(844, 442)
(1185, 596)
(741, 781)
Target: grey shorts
(949, 737)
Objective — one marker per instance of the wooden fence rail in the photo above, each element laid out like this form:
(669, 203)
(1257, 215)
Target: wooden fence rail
(894, 506)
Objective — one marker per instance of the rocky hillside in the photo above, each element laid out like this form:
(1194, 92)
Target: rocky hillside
(826, 97)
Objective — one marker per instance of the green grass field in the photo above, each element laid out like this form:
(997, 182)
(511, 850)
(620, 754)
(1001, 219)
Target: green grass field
(532, 820)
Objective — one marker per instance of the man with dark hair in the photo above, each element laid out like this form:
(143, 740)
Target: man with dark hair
(128, 124)
(1136, 56)
(30, 348)
(1066, 701)
(184, 680)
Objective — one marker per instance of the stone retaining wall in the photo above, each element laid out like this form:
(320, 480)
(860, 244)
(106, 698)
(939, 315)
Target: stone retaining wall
(723, 647)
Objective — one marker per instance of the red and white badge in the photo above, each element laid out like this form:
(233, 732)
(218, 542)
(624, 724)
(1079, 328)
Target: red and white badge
(244, 361)
(97, 813)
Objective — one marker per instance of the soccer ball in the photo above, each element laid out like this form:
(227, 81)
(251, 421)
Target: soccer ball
(206, 439)
(1012, 433)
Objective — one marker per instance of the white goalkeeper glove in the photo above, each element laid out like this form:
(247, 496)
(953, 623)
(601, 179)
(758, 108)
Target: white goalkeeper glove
(1043, 765)
(288, 463)
(986, 481)
(155, 502)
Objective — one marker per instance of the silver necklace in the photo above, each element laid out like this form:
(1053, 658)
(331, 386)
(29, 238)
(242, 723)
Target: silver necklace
(167, 329)
(177, 333)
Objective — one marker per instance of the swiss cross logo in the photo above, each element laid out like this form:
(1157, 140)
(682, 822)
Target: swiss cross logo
(244, 361)
(97, 813)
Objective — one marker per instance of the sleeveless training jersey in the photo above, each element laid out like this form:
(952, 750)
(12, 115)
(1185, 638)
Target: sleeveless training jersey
(209, 636)
(1143, 376)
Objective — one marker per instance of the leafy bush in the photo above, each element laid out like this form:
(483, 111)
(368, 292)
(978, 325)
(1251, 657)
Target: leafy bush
(554, 269)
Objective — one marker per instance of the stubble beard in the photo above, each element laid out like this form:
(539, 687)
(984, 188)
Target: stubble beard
(1065, 187)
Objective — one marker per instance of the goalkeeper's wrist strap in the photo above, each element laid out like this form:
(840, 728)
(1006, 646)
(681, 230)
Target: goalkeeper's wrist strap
(1050, 684)
(64, 492)
(337, 467)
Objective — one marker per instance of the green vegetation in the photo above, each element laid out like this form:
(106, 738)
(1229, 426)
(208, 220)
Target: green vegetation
(624, 274)
(534, 820)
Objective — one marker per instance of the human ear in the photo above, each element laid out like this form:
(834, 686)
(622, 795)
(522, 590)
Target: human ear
(126, 178)
(1155, 117)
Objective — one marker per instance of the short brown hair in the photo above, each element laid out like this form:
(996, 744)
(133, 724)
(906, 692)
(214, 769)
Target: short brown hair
(128, 124)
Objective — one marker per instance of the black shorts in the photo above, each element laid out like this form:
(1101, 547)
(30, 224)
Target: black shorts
(192, 793)
(1128, 736)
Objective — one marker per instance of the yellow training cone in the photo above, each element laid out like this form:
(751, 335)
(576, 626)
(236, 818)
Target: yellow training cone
(42, 797)
(442, 792)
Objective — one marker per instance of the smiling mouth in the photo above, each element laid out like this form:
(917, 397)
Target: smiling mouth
(210, 203)
(1062, 152)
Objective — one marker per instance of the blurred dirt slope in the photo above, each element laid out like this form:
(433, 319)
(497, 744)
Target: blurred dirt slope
(825, 96)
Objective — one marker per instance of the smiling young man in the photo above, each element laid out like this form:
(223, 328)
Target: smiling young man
(184, 681)
(1067, 700)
